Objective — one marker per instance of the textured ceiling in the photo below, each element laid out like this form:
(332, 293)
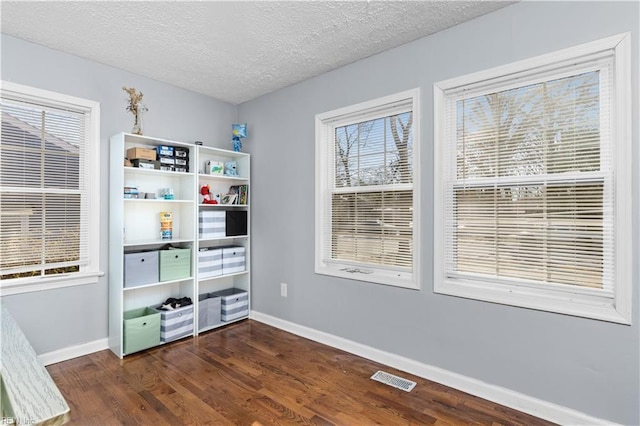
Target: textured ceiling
(235, 50)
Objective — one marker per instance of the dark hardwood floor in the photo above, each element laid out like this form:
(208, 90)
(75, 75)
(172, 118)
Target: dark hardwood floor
(252, 374)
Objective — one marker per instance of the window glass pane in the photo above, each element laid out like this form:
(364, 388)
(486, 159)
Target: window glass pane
(43, 219)
(21, 227)
(375, 152)
(373, 227)
(62, 223)
(545, 128)
(551, 233)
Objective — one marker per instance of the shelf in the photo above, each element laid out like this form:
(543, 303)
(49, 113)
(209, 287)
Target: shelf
(154, 172)
(166, 343)
(222, 324)
(158, 284)
(222, 177)
(156, 241)
(135, 225)
(223, 205)
(230, 238)
(221, 277)
(154, 200)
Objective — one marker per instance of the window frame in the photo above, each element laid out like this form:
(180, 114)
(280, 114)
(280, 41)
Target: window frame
(89, 273)
(614, 306)
(325, 125)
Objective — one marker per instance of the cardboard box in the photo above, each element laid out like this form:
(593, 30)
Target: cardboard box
(145, 164)
(165, 151)
(141, 154)
(181, 152)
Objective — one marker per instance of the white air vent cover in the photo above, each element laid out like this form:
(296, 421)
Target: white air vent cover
(395, 381)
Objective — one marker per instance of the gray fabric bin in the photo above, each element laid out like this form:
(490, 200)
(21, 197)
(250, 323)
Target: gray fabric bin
(209, 309)
(233, 260)
(211, 224)
(175, 323)
(140, 268)
(234, 303)
(209, 262)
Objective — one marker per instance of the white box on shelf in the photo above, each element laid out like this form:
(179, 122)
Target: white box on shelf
(211, 224)
(214, 167)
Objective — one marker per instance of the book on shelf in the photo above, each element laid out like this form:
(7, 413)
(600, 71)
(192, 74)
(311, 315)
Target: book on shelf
(241, 192)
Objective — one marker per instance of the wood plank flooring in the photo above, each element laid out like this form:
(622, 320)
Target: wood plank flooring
(252, 374)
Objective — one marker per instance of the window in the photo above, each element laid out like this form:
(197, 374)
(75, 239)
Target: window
(533, 183)
(366, 191)
(49, 182)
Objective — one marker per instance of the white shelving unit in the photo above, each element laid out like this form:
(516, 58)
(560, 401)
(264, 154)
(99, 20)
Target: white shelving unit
(220, 184)
(135, 226)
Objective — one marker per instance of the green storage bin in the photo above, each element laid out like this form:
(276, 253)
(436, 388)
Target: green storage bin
(141, 329)
(175, 264)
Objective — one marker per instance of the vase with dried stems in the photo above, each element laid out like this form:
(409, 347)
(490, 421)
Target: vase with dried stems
(136, 108)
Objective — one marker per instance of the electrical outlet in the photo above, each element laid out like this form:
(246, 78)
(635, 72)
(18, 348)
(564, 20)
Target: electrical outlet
(283, 290)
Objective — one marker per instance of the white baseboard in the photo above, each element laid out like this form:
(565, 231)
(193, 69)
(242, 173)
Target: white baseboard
(518, 401)
(71, 352)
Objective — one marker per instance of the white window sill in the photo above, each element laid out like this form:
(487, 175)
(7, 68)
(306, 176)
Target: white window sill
(392, 278)
(49, 283)
(563, 302)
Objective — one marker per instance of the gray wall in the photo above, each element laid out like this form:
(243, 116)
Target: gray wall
(590, 366)
(57, 319)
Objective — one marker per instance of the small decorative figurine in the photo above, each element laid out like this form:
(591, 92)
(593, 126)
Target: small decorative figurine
(205, 195)
(230, 168)
(238, 131)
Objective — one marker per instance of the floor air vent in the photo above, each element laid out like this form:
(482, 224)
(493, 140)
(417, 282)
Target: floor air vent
(395, 381)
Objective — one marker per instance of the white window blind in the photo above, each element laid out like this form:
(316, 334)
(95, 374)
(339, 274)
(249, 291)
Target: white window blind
(46, 191)
(532, 183)
(530, 195)
(366, 223)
